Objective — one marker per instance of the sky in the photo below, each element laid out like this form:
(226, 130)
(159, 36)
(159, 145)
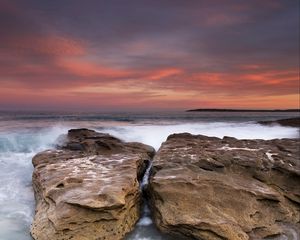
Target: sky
(115, 55)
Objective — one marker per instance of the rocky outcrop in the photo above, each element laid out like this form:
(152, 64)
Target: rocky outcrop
(210, 188)
(288, 122)
(88, 187)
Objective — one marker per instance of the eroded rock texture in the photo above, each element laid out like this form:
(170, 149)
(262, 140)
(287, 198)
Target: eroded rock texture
(88, 188)
(210, 188)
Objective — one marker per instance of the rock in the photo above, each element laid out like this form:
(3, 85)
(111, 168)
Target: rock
(288, 122)
(210, 188)
(88, 187)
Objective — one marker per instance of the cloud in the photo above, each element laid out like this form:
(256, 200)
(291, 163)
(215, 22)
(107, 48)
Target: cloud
(45, 45)
(159, 52)
(88, 69)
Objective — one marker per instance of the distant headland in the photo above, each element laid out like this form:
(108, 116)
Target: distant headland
(241, 110)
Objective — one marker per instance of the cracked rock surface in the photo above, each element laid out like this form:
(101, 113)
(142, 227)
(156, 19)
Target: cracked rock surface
(88, 187)
(210, 188)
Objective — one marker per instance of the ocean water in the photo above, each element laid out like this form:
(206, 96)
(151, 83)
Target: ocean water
(22, 135)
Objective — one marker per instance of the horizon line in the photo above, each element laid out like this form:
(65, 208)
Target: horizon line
(150, 110)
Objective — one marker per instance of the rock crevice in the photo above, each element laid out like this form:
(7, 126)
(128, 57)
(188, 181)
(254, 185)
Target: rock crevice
(92, 185)
(88, 187)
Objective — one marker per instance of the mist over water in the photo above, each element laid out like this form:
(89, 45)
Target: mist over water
(22, 136)
(16, 194)
(154, 135)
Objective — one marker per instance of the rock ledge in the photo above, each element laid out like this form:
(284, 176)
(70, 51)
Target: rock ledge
(210, 188)
(88, 187)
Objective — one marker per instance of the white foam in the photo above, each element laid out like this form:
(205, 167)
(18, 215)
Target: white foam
(154, 135)
(16, 193)
(17, 149)
(145, 179)
(145, 221)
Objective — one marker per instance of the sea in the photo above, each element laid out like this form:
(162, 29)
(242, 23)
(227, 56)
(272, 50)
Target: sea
(23, 134)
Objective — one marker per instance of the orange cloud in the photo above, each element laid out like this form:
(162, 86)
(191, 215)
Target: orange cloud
(165, 72)
(272, 76)
(115, 96)
(253, 82)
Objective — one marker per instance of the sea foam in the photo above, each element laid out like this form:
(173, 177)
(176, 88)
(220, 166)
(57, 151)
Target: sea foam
(19, 146)
(154, 135)
(16, 193)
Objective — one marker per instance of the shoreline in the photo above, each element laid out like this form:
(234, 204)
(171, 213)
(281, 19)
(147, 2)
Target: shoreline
(241, 110)
(108, 182)
(35, 140)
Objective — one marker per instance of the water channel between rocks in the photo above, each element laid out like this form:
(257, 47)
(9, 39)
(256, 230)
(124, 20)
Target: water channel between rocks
(23, 136)
(145, 226)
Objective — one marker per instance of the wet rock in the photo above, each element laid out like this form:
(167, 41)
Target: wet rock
(288, 122)
(210, 188)
(88, 187)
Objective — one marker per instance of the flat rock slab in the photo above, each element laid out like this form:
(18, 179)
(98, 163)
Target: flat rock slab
(210, 188)
(88, 187)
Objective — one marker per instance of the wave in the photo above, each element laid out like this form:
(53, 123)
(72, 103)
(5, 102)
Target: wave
(154, 135)
(16, 194)
(18, 147)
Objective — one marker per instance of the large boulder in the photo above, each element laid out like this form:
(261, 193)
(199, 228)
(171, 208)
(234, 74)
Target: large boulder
(210, 188)
(88, 187)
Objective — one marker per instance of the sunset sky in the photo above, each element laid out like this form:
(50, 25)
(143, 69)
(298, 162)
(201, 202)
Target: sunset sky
(148, 54)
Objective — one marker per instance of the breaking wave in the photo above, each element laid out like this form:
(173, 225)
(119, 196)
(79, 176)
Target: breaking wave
(19, 146)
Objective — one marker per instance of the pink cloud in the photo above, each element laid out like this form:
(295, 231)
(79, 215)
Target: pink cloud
(84, 68)
(163, 73)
